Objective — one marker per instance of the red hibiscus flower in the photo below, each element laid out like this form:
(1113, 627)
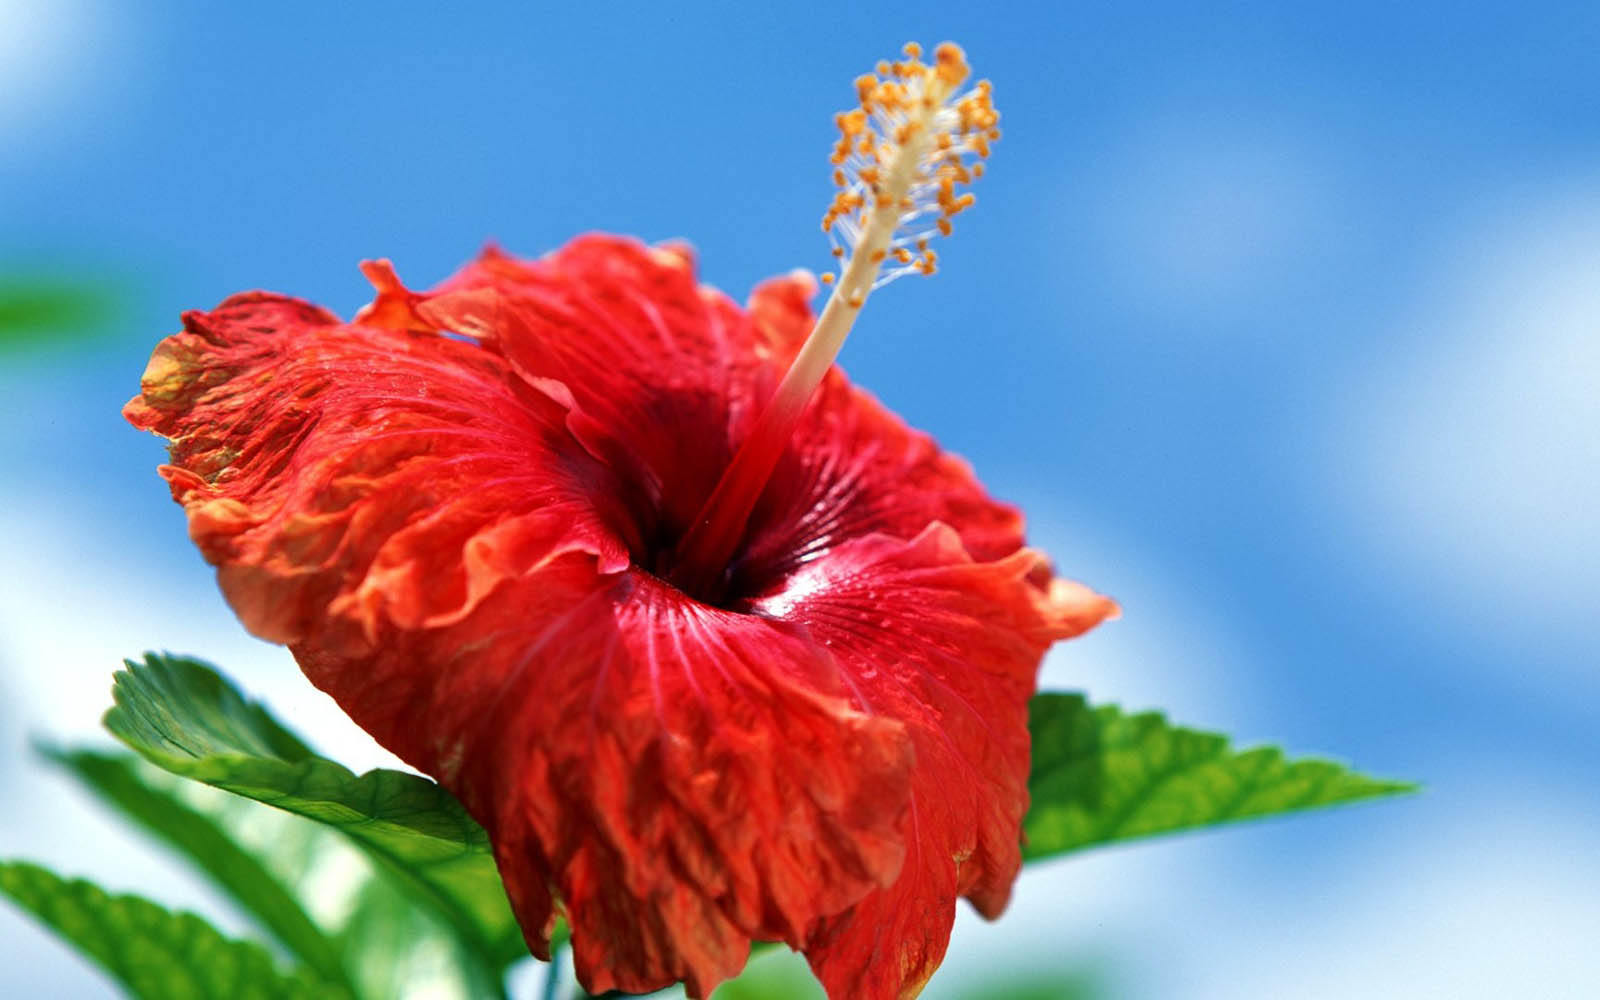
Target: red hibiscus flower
(479, 517)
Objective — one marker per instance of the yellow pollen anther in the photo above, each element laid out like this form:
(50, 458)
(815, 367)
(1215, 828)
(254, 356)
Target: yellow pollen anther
(904, 153)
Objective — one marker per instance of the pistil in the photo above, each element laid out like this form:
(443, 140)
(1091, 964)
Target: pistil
(900, 157)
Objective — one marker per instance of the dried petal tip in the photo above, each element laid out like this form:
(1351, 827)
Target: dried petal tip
(902, 157)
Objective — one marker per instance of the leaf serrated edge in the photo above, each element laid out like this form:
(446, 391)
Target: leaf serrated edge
(142, 720)
(1133, 729)
(46, 896)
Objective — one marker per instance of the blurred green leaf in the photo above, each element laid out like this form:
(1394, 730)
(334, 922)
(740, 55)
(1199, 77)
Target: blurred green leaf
(392, 948)
(399, 950)
(156, 954)
(1078, 985)
(1100, 776)
(774, 974)
(41, 311)
(120, 781)
(185, 718)
(389, 947)
(781, 974)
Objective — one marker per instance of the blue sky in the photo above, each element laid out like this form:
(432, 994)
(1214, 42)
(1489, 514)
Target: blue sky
(1282, 325)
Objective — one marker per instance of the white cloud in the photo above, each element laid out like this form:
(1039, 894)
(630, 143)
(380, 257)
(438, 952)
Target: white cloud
(1173, 649)
(47, 49)
(1459, 900)
(1208, 214)
(1491, 900)
(1472, 457)
(71, 607)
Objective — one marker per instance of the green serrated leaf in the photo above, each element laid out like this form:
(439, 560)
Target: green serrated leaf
(182, 716)
(390, 947)
(120, 782)
(1100, 776)
(154, 953)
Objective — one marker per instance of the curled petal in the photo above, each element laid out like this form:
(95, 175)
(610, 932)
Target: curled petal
(685, 779)
(949, 646)
(781, 309)
(344, 476)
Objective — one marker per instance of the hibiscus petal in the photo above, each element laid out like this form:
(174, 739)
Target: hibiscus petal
(948, 645)
(414, 518)
(856, 469)
(684, 778)
(370, 473)
(457, 538)
(662, 374)
(781, 309)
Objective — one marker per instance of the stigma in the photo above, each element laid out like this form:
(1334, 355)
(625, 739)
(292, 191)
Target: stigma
(905, 154)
